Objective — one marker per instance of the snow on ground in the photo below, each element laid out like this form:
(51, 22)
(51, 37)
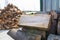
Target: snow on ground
(4, 35)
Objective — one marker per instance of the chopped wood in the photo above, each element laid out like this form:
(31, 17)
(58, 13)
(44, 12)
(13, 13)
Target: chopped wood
(9, 17)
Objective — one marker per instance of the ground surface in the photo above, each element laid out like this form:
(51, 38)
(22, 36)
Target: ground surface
(4, 35)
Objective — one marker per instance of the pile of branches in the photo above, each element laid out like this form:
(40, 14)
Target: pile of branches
(9, 17)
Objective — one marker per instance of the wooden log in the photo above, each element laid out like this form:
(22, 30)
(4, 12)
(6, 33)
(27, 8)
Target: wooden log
(41, 21)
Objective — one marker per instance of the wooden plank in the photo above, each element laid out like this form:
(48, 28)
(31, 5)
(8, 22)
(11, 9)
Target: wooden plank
(38, 21)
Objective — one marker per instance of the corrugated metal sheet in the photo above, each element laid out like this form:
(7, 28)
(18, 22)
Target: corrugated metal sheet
(51, 5)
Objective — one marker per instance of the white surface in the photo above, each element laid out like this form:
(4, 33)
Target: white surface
(4, 35)
(25, 5)
(2, 4)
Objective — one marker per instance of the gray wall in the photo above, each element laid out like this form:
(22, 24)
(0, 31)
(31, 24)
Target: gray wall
(51, 5)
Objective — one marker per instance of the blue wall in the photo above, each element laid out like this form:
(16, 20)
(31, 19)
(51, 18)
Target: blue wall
(51, 5)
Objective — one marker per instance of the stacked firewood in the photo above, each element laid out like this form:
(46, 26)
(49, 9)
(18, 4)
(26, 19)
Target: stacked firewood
(9, 17)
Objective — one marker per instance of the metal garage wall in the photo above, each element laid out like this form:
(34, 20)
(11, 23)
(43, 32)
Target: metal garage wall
(51, 5)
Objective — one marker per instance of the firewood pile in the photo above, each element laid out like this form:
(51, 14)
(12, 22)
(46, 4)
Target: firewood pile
(9, 17)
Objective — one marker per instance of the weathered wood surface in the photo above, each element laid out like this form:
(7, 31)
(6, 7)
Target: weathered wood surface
(38, 21)
(58, 27)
